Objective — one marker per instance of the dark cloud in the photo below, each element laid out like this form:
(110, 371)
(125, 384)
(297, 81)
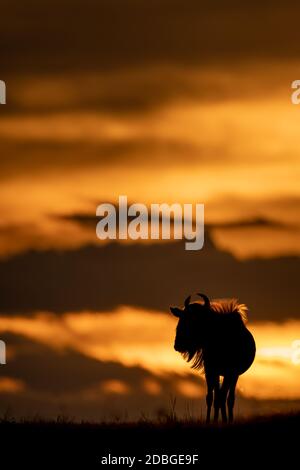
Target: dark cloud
(35, 157)
(56, 380)
(56, 383)
(146, 275)
(256, 222)
(142, 89)
(122, 92)
(120, 33)
(87, 220)
(44, 369)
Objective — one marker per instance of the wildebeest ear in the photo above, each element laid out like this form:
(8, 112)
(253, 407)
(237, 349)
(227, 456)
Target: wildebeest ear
(177, 312)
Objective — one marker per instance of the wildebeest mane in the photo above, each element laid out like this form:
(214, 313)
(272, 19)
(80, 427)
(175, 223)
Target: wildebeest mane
(230, 306)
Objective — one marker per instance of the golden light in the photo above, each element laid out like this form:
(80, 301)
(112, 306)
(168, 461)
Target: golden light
(133, 337)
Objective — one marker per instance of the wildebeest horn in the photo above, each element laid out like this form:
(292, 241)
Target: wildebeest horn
(206, 300)
(187, 301)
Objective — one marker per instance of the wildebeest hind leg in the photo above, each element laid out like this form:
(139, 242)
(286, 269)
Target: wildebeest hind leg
(223, 397)
(216, 399)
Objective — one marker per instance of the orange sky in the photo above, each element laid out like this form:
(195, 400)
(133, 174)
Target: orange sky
(188, 108)
(237, 154)
(138, 337)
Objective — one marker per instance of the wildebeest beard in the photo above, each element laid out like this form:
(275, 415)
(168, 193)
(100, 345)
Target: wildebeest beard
(194, 353)
(196, 356)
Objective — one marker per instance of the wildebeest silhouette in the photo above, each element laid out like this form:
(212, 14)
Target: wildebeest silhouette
(214, 336)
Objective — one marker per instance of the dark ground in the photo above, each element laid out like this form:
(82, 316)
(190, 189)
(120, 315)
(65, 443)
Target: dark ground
(262, 441)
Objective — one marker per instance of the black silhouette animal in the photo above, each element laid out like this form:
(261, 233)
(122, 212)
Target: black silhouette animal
(214, 337)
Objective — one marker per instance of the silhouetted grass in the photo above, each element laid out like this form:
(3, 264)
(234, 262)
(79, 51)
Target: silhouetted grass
(263, 439)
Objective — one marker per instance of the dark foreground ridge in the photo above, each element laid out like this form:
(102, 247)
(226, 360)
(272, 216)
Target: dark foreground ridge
(256, 442)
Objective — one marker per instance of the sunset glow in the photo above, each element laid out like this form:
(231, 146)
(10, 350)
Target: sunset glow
(158, 102)
(136, 337)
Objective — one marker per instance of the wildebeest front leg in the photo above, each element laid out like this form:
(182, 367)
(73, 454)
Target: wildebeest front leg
(231, 397)
(210, 381)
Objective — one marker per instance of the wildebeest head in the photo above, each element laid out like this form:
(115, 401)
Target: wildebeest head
(188, 331)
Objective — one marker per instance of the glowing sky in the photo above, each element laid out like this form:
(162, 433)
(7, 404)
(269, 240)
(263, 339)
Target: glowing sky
(191, 106)
(237, 154)
(137, 337)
